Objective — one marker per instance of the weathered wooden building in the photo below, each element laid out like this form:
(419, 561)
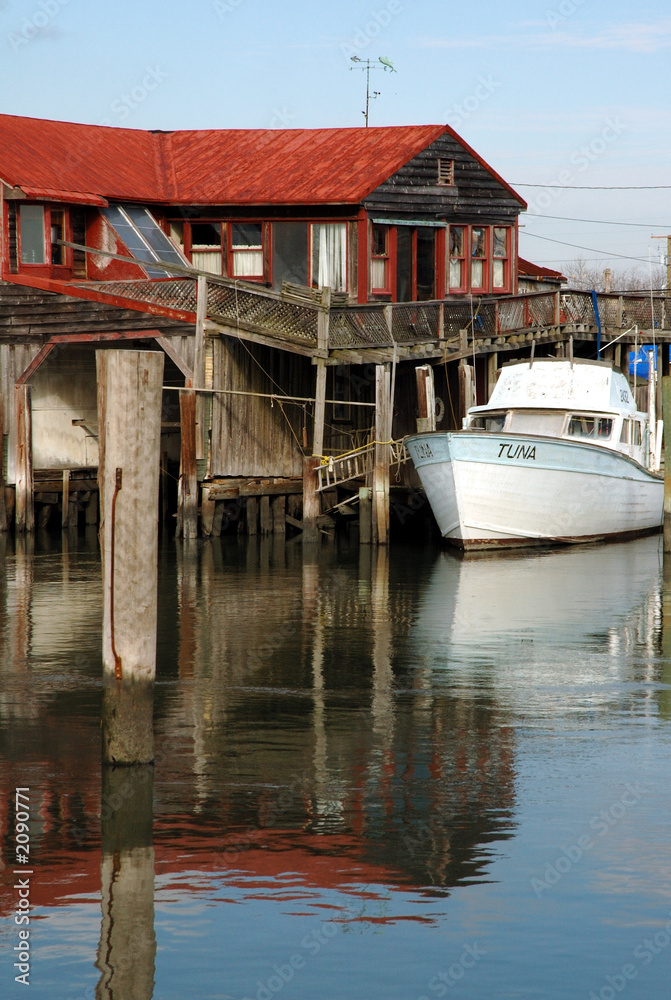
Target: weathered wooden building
(294, 279)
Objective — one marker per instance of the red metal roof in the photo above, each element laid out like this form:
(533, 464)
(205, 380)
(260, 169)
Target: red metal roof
(529, 270)
(209, 167)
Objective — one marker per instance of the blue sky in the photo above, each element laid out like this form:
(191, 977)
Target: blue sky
(558, 92)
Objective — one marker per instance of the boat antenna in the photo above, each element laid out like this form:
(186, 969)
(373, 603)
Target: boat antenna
(533, 351)
(570, 350)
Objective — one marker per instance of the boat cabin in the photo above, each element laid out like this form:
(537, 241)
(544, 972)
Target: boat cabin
(589, 402)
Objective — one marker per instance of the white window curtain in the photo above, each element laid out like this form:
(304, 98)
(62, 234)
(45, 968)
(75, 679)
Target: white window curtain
(329, 243)
(248, 262)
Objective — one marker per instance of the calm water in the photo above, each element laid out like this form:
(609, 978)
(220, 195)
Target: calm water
(394, 776)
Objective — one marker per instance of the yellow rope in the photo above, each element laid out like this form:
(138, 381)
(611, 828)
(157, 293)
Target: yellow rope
(325, 459)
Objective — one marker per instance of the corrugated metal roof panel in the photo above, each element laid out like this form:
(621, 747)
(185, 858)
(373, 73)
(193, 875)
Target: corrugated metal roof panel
(208, 167)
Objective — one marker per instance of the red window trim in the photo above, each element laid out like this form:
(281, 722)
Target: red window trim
(389, 257)
(230, 252)
(465, 275)
(506, 286)
(486, 261)
(46, 269)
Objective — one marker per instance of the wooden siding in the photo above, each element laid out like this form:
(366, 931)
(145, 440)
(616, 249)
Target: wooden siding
(35, 314)
(477, 195)
(251, 437)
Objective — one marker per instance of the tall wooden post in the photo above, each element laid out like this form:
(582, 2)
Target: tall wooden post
(666, 412)
(199, 369)
(311, 499)
(187, 501)
(25, 511)
(426, 399)
(129, 418)
(3, 505)
(383, 413)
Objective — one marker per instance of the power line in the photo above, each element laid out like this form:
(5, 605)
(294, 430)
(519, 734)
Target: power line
(596, 187)
(600, 222)
(577, 246)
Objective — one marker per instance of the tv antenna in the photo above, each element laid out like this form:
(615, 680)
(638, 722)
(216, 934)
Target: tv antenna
(367, 65)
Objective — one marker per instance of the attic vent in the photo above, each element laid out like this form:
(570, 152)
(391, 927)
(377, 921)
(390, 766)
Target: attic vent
(445, 171)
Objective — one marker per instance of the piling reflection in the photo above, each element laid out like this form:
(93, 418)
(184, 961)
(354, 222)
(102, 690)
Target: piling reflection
(127, 948)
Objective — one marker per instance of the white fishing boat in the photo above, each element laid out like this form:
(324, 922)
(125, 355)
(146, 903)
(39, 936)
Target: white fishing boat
(558, 455)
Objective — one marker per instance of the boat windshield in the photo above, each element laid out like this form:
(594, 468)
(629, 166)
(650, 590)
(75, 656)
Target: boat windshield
(546, 423)
(583, 426)
(487, 421)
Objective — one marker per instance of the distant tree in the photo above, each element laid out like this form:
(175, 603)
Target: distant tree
(587, 276)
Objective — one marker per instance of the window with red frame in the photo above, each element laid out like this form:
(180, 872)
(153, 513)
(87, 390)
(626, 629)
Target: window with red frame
(246, 250)
(500, 258)
(40, 229)
(458, 275)
(380, 268)
(479, 258)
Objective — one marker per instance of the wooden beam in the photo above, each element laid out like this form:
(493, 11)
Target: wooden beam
(41, 356)
(176, 357)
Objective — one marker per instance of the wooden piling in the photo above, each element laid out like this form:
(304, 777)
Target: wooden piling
(65, 512)
(279, 510)
(129, 417)
(666, 411)
(381, 460)
(24, 509)
(426, 399)
(3, 506)
(311, 499)
(365, 516)
(187, 507)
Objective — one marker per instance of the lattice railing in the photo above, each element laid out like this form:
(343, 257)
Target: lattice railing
(233, 305)
(173, 293)
(293, 317)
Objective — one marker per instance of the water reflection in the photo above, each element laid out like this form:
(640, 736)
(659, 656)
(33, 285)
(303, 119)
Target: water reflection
(127, 948)
(337, 731)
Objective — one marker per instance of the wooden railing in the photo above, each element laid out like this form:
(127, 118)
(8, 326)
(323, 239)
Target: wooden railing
(356, 464)
(292, 314)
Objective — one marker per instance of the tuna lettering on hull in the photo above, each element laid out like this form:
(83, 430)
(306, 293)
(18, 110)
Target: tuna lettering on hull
(524, 451)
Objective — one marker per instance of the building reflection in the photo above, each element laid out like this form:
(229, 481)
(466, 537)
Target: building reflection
(347, 716)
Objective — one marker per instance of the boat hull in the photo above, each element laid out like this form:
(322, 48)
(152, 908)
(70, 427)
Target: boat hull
(490, 490)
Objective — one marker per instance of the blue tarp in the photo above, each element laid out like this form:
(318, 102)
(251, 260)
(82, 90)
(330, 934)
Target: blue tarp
(638, 362)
